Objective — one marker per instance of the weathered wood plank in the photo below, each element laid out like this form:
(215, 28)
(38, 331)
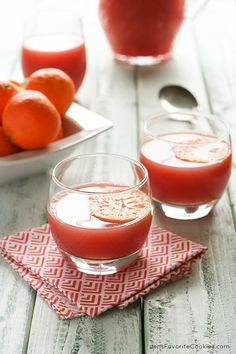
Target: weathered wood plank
(17, 209)
(12, 18)
(22, 206)
(111, 332)
(219, 66)
(17, 300)
(109, 89)
(199, 310)
(190, 312)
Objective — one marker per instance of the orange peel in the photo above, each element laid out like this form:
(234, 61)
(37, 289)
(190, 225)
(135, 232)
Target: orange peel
(120, 208)
(202, 150)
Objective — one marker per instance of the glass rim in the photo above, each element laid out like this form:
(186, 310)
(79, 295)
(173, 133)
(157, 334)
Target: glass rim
(94, 155)
(210, 117)
(56, 14)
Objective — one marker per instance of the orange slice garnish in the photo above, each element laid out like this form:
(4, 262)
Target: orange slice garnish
(202, 150)
(120, 208)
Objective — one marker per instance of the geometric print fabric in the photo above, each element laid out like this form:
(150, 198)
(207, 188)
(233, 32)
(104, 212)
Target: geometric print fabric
(34, 255)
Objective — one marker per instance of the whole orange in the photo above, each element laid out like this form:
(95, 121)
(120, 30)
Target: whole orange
(7, 90)
(6, 147)
(60, 134)
(55, 84)
(30, 120)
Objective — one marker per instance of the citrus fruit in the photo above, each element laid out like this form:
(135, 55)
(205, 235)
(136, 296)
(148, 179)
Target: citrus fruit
(7, 90)
(120, 208)
(56, 85)
(6, 147)
(201, 150)
(30, 120)
(60, 134)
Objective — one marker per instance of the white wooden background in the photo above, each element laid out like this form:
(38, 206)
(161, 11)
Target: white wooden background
(199, 310)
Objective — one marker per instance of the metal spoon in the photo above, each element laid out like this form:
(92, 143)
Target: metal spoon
(174, 97)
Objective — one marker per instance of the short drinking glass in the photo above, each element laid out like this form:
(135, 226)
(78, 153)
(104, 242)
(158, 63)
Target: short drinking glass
(99, 210)
(188, 157)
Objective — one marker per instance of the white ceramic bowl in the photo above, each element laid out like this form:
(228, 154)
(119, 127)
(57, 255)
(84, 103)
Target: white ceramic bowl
(79, 124)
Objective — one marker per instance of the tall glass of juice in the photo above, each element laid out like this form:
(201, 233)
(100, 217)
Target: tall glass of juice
(54, 39)
(99, 210)
(188, 157)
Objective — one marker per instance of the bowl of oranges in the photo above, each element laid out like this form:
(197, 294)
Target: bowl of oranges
(40, 123)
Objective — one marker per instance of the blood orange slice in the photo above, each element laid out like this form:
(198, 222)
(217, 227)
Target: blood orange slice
(120, 208)
(202, 150)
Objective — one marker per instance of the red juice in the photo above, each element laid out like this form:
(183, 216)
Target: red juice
(183, 174)
(99, 227)
(62, 51)
(141, 27)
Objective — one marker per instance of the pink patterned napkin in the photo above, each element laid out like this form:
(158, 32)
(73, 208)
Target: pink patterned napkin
(35, 256)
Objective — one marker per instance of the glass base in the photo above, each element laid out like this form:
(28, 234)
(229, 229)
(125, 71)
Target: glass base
(141, 60)
(185, 212)
(101, 267)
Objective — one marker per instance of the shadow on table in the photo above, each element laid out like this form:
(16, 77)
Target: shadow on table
(201, 230)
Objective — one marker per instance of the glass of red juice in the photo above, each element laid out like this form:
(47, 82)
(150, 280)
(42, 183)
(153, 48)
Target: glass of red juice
(54, 39)
(188, 156)
(99, 210)
(142, 32)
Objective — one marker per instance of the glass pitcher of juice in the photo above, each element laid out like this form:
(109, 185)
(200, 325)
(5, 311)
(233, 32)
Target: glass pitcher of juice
(142, 32)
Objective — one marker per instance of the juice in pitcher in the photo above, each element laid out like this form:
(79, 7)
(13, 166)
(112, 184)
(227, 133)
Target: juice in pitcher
(141, 31)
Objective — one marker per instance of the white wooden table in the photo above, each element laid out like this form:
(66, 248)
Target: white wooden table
(194, 315)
